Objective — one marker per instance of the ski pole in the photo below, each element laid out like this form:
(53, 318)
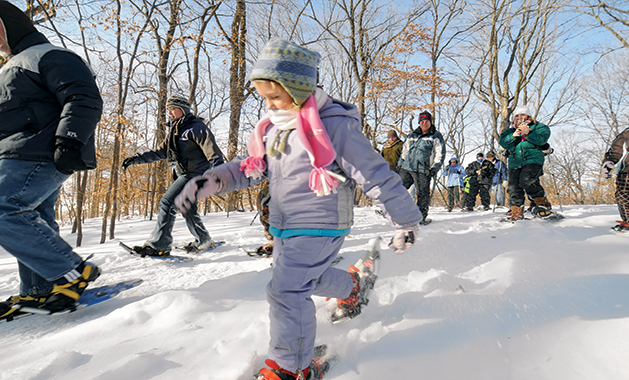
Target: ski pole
(557, 191)
(254, 218)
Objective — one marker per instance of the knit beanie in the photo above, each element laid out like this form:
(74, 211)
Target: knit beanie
(425, 116)
(16, 23)
(180, 102)
(392, 133)
(522, 110)
(292, 66)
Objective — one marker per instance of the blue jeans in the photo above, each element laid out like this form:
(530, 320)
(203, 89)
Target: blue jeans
(28, 231)
(162, 236)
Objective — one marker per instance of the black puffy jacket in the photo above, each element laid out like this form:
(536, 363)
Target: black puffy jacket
(46, 92)
(190, 144)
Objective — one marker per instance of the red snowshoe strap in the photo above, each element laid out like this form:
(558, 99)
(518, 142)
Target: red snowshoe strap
(279, 373)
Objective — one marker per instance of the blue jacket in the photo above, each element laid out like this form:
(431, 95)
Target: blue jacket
(47, 92)
(454, 174)
(423, 152)
(295, 207)
(501, 172)
(190, 144)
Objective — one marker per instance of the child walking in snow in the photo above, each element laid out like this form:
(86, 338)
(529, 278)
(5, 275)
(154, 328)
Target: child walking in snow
(309, 146)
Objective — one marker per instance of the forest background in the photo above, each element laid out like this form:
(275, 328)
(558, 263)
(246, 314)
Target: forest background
(468, 62)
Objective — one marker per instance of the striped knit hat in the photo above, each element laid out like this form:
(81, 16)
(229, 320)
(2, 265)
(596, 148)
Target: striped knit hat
(180, 102)
(291, 65)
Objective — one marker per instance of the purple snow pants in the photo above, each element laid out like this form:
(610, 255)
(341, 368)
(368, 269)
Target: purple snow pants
(301, 269)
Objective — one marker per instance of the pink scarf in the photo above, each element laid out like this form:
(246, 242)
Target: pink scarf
(313, 137)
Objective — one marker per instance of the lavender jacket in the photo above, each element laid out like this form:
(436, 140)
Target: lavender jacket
(293, 206)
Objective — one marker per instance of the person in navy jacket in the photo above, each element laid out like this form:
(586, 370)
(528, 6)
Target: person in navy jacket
(49, 108)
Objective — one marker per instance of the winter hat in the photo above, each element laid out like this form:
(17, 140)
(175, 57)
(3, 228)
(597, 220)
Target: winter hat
(425, 115)
(392, 133)
(179, 102)
(480, 154)
(291, 65)
(16, 23)
(522, 110)
(491, 154)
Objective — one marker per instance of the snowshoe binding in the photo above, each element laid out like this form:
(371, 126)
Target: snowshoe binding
(62, 297)
(364, 275)
(315, 371)
(621, 226)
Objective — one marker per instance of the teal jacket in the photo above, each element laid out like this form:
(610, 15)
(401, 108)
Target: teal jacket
(524, 152)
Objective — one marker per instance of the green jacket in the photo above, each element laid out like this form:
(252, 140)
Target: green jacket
(524, 152)
(391, 153)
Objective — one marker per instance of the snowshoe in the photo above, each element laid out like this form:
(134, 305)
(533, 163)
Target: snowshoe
(425, 222)
(8, 311)
(364, 274)
(318, 367)
(147, 250)
(265, 250)
(62, 297)
(192, 247)
(621, 226)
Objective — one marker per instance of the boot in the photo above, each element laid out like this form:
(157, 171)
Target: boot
(542, 207)
(147, 250)
(621, 226)
(66, 295)
(265, 250)
(516, 213)
(349, 306)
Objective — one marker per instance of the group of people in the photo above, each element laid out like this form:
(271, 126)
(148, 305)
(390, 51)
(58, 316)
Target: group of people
(308, 146)
(420, 157)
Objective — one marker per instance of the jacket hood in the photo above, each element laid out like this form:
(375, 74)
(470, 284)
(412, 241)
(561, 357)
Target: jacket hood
(454, 159)
(335, 107)
(16, 23)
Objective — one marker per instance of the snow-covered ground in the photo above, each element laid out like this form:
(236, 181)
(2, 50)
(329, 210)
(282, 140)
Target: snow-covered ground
(474, 299)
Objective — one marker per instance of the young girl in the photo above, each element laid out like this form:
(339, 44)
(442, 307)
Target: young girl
(311, 149)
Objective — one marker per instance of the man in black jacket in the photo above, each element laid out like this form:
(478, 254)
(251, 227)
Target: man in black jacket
(49, 108)
(481, 173)
(192, 146)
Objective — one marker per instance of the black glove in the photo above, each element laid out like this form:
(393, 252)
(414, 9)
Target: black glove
(128, 162)
(68, 158)
(433, 172)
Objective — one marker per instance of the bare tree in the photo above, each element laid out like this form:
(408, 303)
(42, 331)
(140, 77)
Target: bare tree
(514, 40)
(363, 29)
(612, 15)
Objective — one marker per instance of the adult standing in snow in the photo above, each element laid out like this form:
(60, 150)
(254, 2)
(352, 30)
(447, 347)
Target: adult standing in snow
(309, 146)
(616, 155)
(481, 173)
(524, 141)
(423, 153)
(455, 174)
(191, 145)
(392, 150)
(500, 178)
(49, 107)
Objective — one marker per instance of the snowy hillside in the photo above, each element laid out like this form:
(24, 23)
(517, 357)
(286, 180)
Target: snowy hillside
(474, 299)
